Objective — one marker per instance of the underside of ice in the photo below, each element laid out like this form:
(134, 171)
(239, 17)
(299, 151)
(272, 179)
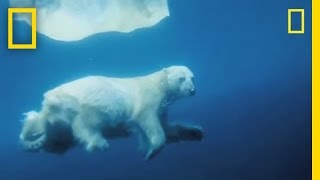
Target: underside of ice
(71, 20)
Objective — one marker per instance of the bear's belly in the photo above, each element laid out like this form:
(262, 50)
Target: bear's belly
(121, 130)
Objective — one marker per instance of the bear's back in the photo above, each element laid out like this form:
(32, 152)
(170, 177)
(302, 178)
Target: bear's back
(102, 93)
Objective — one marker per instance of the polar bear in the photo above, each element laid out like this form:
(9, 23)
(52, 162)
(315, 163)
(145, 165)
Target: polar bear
(91, 110)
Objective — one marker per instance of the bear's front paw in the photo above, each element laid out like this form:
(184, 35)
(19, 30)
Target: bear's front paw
(152, 153)
(197, 133)
(156, 144)
(193, 133)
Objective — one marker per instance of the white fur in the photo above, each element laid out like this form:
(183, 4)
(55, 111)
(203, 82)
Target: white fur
(95, 108)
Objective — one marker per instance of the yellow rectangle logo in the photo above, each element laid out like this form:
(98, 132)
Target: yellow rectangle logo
(290, 11)
(33, 13)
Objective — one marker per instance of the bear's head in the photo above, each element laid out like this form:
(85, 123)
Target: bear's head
(33, 132)
(180, 81)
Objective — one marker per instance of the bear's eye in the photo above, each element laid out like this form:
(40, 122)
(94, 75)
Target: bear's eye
(182, 79)
(192, 79)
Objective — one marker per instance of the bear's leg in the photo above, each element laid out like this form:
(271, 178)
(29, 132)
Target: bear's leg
(154, 135)
(182, 132)
(89, 134)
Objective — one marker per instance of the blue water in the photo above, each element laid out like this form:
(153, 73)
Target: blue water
(253, 101)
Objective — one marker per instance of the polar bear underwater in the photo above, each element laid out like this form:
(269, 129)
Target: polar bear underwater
(91, 110)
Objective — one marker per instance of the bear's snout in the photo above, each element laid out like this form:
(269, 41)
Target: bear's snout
(193, 92)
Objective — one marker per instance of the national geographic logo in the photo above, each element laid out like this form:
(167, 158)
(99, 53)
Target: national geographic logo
(33, 12)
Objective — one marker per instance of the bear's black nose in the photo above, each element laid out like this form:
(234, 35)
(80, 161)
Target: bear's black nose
(192, 92)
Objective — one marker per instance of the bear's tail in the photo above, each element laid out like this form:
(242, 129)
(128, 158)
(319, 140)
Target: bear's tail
(33, 133)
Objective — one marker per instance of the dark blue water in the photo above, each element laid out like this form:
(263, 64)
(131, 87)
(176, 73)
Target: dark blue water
(253, 101)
